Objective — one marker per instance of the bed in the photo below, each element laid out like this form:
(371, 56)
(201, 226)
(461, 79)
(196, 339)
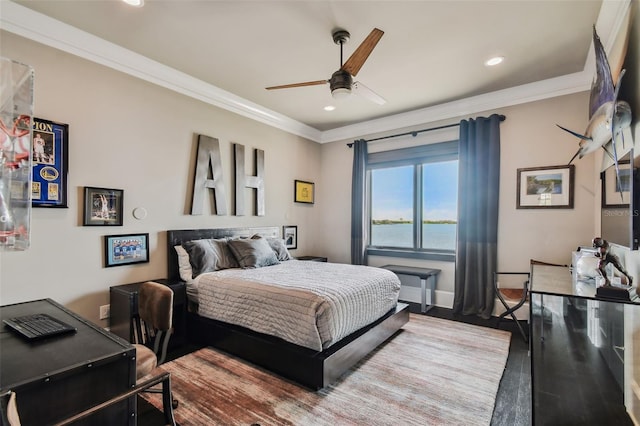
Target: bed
(322, 355)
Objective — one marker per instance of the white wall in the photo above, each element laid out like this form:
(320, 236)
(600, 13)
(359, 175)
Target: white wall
(135, 136)
(529, 138)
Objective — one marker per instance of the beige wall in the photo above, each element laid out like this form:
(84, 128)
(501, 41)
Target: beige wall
(529, 138)
(132, 135)
(129, 134)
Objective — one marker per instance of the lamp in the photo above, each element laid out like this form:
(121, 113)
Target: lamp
(340, 84)
(341, 93)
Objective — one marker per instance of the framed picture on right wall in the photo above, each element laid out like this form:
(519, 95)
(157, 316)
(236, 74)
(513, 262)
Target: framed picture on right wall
(290, 236)
(549, 187)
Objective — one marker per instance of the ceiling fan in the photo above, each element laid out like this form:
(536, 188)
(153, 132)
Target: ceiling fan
(341, 81)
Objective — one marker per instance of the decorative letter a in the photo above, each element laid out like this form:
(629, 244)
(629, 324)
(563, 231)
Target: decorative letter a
(208, 155)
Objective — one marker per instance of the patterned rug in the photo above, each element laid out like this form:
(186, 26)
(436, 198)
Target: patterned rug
(434, 372)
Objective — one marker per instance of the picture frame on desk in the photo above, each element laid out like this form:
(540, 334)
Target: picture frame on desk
(126, 249)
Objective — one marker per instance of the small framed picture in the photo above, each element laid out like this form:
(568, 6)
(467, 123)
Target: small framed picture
(126, 249)
(290, 236)
(545, 187)
(303, 192)
(102, 206)
(616, 193)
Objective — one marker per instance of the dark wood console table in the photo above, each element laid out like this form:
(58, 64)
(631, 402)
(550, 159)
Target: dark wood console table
(60, 376)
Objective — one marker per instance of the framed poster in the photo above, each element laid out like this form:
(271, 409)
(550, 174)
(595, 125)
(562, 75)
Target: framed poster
(102, 207)
(50, 157)
(303, 192)
(126, 249)
(290, 236)
(545, 187)
(616, 193)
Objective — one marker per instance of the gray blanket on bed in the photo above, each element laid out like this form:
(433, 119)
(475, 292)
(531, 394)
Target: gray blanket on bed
(311, 304)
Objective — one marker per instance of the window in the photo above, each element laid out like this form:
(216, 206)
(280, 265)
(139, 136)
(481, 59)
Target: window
(413, 195)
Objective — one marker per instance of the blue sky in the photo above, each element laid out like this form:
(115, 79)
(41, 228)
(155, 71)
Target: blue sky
(392, 194)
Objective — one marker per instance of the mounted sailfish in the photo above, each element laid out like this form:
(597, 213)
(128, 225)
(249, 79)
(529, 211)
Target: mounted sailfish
(608, 116)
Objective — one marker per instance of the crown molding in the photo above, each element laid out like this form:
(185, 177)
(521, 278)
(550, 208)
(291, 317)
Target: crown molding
(559, 86)
(35, 26)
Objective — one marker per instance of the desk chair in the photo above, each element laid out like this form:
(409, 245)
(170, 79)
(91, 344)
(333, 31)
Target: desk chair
(508, 294)
(517, 296)
(153, 330)
(9, 410)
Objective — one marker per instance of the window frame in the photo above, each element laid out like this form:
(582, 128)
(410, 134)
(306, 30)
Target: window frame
(416, 157)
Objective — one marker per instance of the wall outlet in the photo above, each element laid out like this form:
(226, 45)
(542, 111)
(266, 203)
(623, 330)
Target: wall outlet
(105, 311)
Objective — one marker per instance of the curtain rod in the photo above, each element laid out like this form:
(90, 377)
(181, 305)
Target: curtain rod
(414, 133)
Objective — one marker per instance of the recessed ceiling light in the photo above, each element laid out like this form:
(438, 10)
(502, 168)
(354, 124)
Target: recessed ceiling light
(329, 108)
(494, 61)
(136, 3)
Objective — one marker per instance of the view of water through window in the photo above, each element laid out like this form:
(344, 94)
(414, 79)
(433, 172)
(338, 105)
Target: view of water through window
(392, 206)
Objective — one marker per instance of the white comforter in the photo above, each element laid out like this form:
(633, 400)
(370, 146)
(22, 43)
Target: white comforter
(311, 304)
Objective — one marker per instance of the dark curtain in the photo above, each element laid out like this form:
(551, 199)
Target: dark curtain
(358, 206)
(479, 182)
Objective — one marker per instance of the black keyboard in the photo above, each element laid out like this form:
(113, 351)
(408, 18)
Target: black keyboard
(38, 326)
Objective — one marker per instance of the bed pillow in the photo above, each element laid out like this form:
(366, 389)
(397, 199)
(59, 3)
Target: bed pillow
(184, 266)
(209, 255)
(278, 247)
(253, 252)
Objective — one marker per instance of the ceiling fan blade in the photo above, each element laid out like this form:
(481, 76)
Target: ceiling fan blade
(363, 91)
(306, 83)
(357, 59)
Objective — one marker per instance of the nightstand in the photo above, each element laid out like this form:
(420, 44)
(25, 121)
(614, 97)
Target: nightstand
(312, 258)
(124, 307)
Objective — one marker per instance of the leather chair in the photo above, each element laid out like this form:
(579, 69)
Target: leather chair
(9, 410)
(512, 298)
(153, 327)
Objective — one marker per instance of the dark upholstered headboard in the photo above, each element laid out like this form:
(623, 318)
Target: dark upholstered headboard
(177, 237)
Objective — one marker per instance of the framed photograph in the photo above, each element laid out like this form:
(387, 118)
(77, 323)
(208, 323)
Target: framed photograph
(303, 192)
(611, 195)
(126, 249)
(290, 236)
(545, 187)
(102, 206)
(50, 146)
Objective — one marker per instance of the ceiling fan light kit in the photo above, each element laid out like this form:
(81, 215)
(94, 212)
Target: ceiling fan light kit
(341, 82)
(134, 3)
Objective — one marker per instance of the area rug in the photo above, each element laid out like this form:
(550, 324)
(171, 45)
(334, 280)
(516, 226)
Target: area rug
(433, 372)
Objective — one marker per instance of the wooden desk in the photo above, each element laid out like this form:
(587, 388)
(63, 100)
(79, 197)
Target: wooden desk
(60, 376)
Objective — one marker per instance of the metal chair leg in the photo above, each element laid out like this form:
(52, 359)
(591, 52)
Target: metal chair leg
(167, 401)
